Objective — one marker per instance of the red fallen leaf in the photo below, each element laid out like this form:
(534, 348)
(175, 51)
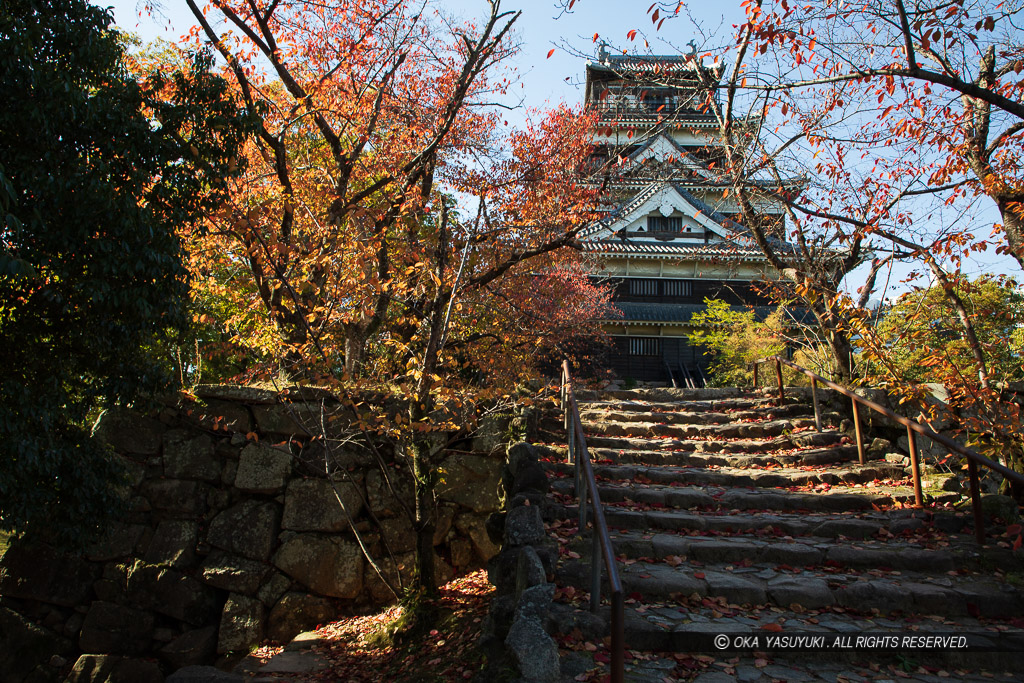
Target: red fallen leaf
(635, 596)
(772, 627)
(1013, 529)
(698, 575)
(1017, 544)
(551, 52)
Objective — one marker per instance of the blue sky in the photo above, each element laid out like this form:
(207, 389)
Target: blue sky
(538, 28)
(547, 81)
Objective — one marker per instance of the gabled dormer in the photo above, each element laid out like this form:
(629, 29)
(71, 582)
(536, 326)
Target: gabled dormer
(663, 212)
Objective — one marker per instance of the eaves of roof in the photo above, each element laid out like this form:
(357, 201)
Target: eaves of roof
(634, 313)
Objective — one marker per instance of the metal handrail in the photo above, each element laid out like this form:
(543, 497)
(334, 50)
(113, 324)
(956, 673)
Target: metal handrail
(586, 483)
(913, 428)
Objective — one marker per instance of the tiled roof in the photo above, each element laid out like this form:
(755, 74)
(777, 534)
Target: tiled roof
(645, 194)
(682, 313)
(725, 249)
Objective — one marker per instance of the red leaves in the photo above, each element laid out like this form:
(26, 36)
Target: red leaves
(774, 628)
(550, 52)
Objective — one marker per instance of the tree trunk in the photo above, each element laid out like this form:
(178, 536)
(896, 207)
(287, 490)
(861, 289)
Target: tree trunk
(1013, 227)
(424, 580)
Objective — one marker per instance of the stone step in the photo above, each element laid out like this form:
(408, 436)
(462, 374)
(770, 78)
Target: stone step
(674, 415)
(735, 477)
(667, 395)
(905, 593)
(690, 626)
(728, 499)
(621, 516)
(797, 457)
(710, 444)
(821, 552)
(730, 430)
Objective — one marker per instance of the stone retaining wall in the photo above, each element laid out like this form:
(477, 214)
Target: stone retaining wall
(523, 617)
(234, 535)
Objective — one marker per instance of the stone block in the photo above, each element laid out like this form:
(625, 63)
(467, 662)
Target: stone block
(462, 553)
(288, 419)
(533, 651)
(204, 674)
(248, 529)
(806, 592)
(176, 497)
(273, 588)
(534, 602)
(399, 534)
(238, 393)
(529, 570)
(218, 415)
(524, 525)
(118, 540)
(37, 572)
(128, 432)
(115, 629)
(191, 647)
(736, 589)
(241, 624)
(493, 433)
(474, 528)
(190, 457)
(262, 469)
(113, 669)
(170, 592)
(311, 505)
(173, 543)
(325, 564)
(471, 481)
(295, 613)
(25, 645)
(233, 573)
(864, 595)
(385, 500)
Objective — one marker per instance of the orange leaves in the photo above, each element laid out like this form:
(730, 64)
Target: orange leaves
(550, 52)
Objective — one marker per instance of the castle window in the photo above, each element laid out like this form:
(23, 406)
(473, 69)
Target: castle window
(644, 346)
(642, 287)
(678, 288)
(665, 224)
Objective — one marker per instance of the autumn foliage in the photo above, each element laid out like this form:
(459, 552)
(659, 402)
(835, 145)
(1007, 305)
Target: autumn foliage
(391, 233)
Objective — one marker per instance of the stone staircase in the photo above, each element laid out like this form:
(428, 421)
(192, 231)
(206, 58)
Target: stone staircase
(731, 514)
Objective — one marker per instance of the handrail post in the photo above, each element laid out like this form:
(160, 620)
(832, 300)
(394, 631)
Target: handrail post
(814, 397)
(913, 428)
(915, 467)
(778, 374)
(618, 638)
(979, 515)
(568, 418)
(602, 549)
(570, 443)
(582, 492)
(756, 366)
(856, 431)
(595, 573)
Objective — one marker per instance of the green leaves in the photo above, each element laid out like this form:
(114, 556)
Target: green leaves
(91, 275)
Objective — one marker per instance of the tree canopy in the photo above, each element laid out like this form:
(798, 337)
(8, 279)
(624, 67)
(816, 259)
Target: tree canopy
(97, 173)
